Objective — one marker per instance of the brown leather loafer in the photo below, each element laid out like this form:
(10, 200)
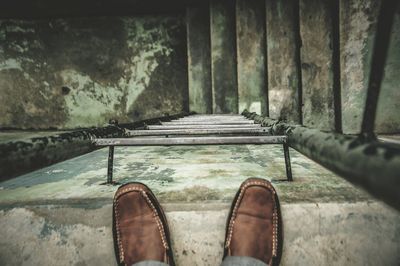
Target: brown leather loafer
(254, 225)
(140, 227)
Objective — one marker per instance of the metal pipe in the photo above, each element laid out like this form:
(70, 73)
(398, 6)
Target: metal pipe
(161, 127)
(110, 165)
(287, 162)
(216, 115)
(212, 119)
(389, 139)
(156, 120)
(177, 123)
(261, 130)
(373, 165)
(156, 141)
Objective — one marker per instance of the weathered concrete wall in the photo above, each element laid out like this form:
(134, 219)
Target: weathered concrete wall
(223, 56)
(388, 112)
(199, 58)
(357, 31)
(316, 64)
(251, 57)
(283, 72)
(70, 73)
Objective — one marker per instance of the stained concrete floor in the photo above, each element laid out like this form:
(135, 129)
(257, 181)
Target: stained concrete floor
(62, 214)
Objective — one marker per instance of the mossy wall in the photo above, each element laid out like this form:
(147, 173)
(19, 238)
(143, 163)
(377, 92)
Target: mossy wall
(358, 21)
(284, 83)
(81, 72)
(275, 57)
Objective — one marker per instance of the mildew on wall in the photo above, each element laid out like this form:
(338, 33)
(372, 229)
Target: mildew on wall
(358, 22)
(223, 56)
(357, 30)
(388, 112)
(199, 58)
(251, 59)
(69, 73)
(316, 64)
(283, 73)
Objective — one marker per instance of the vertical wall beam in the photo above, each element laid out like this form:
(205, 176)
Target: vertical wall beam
(381, 46)
(336, 65)
(358, 26)
(387, 116)
(299, 43)
(284, 73)
(251, 58)
(317, 67)
(199, 58)
(223, 56)
(357, 30)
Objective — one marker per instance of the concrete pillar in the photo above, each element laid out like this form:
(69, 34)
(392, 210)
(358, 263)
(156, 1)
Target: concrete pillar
(357, 30)
(388, 113)
(316, 64)
(199, 58)
(251, 59)
(223, 56)
(283, 56)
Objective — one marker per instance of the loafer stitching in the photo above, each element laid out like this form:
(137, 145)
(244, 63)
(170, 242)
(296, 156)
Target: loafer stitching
(274, 215)
(156, 216)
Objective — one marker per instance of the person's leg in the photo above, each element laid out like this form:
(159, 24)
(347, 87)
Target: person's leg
(254, 226)
(242, 261)
(150, 263)
(140, 229)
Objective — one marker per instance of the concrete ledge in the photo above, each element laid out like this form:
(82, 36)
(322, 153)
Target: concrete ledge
(314, 234)
(61, 214)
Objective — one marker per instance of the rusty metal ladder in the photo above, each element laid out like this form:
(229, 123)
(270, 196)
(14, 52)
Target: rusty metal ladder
(221, 129)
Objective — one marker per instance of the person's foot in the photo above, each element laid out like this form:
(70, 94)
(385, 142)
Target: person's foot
(140, 227)
(254, 226)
